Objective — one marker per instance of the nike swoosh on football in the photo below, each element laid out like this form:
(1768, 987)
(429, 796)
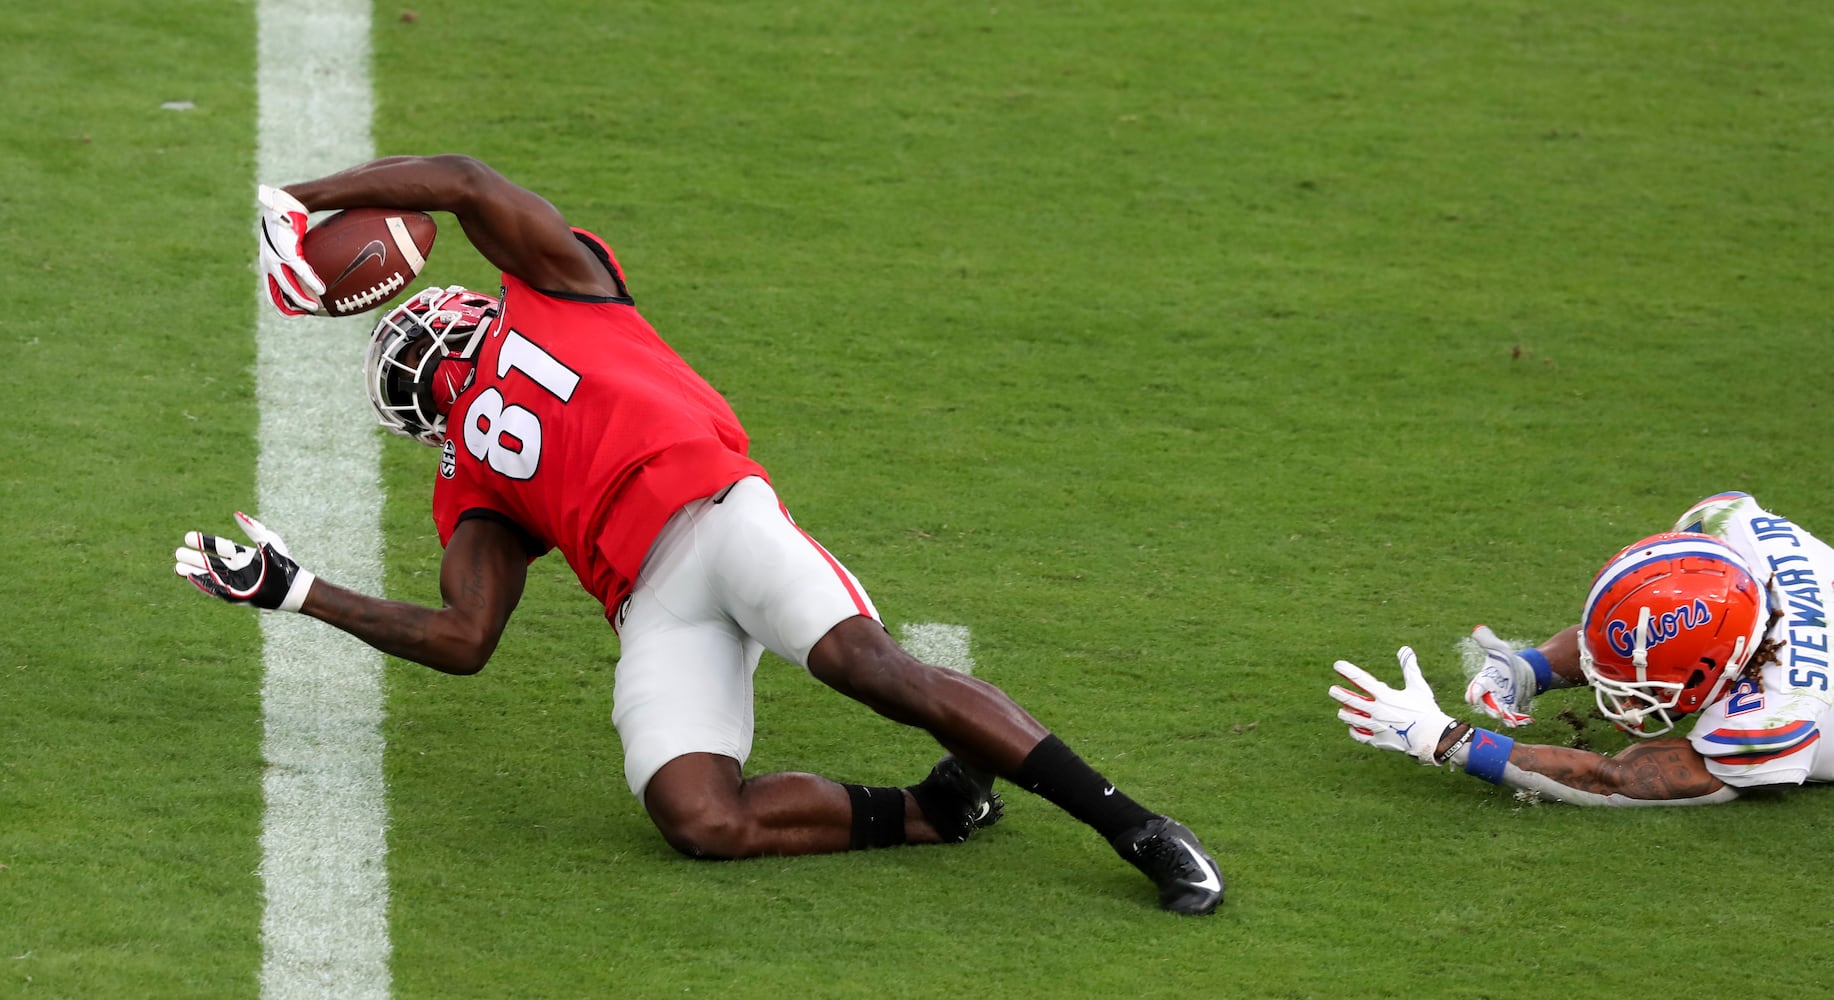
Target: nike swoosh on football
(375, 249)
(1212, 881)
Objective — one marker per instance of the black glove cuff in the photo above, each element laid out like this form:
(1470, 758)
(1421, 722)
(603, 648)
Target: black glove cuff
(1457, 744)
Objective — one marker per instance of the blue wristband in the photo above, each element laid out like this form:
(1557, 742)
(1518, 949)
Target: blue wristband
(1544, 674)
(1489, 754)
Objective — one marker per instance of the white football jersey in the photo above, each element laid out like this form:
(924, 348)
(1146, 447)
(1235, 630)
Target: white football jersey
(1769, 731)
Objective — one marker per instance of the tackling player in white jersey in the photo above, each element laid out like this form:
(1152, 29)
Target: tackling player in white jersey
(1723, 618)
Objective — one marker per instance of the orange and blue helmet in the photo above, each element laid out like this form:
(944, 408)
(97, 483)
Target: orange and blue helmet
(1667, 622)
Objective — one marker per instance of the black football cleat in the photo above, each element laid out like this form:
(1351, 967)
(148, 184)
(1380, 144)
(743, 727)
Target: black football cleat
(1168, 853)
(959, 799)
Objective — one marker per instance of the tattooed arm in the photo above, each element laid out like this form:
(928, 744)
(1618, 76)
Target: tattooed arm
(480, 581)
(1660, 772)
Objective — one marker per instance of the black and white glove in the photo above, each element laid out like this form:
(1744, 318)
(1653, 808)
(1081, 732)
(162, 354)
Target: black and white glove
(262, 575)
(1407, 720)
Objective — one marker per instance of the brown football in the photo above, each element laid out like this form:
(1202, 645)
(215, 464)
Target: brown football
(366, 256)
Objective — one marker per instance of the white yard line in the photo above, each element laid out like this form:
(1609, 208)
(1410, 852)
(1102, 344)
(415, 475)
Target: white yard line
(324, 929)
(937, 644)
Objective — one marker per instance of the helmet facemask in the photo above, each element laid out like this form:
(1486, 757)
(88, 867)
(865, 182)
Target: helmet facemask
(420, 358)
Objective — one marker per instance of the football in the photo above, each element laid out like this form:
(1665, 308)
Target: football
(366, 256)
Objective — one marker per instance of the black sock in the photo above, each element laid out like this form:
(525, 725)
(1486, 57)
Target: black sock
(878, 816)
(1055, 772)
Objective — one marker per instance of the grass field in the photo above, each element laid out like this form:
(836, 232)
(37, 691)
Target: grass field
(1175, 350)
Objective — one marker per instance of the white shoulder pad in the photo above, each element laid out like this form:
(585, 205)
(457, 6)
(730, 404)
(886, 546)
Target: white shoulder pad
(1712, 515)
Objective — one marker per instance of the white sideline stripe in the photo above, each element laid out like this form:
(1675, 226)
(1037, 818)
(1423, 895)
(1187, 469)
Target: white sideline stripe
(942, 645)
(324, 926)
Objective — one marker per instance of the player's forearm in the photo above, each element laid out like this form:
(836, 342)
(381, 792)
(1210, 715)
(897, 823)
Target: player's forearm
(1543, 786)
(425, 635)
(1561, 653)
(444, 183)
(518, 231)
(1644, 775)
(1661, 772)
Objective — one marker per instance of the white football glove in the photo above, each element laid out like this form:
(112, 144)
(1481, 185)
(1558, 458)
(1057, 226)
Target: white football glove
(264, 575)
(1503, 684)
(292, 285)
(1408, 720)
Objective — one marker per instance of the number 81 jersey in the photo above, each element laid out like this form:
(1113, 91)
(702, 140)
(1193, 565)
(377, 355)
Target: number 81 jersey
(584, 431)
(1769, 729)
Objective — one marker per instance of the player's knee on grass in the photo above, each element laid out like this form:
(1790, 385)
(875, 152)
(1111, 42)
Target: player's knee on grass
(708, 835)
(694, 802)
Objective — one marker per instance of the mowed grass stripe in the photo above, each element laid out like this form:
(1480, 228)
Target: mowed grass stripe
(323, 845)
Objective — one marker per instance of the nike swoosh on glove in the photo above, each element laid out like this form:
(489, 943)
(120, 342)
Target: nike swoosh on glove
(262, 574)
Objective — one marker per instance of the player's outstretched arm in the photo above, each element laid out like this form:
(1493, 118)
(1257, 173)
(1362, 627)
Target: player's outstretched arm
(480, 580)
(515, 229)
(1409, 720)
(1665, 772)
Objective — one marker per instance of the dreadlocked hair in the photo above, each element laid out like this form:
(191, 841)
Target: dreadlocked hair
(1769, 651)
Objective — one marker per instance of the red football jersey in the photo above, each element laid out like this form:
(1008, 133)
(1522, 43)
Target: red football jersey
(585, 431)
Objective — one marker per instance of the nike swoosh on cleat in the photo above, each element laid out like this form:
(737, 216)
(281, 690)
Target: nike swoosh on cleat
(1108, 791)
(375, 249)
(1211, 881)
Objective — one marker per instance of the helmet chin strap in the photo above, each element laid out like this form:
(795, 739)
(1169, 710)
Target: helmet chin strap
(469, 350)
(1726, 673)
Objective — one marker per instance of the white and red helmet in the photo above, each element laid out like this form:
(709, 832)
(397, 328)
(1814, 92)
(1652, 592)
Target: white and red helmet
(421, 356)
(1668, 621)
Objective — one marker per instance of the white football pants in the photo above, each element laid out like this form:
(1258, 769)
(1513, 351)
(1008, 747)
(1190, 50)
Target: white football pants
(729, 577)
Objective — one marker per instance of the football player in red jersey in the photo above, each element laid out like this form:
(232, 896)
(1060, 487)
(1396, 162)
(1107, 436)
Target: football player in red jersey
(566, 423)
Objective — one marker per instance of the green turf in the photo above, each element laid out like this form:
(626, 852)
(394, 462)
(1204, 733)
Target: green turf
(1175, 349)
(129, 712)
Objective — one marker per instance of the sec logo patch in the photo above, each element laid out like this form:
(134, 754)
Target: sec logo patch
(448, 460)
